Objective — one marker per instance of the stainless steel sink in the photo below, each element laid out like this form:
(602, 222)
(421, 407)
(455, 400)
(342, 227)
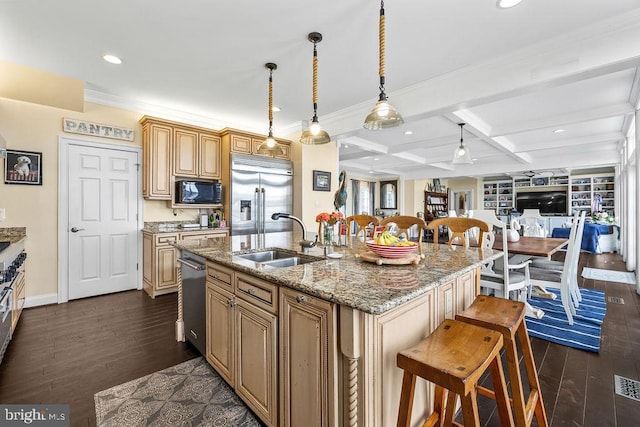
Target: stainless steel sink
(273, 258)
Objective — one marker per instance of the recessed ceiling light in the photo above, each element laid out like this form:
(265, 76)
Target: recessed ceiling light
(375, 158)
(275, 109)
(345, 146)
(558, 131)
(112, 59)
(408, 132)
(370, 171)
(505, 4)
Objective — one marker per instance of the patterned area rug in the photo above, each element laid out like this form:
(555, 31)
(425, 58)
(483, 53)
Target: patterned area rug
(188, 394)
(609, 275)
(554, 326)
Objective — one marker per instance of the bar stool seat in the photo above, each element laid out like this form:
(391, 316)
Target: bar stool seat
(454, 357)
(507, 317)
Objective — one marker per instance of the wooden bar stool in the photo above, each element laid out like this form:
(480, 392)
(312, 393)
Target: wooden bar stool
(454, 357)
(507, 317)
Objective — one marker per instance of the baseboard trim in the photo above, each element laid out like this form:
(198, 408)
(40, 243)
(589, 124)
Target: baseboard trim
(41, 300)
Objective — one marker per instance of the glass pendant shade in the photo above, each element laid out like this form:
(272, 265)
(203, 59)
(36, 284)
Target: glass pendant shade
(461, 156)
(383, 115)
(314, 135)
(270, 146)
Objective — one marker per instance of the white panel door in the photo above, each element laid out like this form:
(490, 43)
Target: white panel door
(102, 221)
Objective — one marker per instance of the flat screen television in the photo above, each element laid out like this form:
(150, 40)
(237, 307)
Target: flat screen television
(549, 202)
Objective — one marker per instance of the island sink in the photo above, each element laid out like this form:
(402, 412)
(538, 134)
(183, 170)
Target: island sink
(274, 258)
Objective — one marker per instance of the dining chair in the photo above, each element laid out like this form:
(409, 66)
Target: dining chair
(360, 223)
(403, 224)
(458, 229)
(563, 274)
(502, 277)
(531, 220)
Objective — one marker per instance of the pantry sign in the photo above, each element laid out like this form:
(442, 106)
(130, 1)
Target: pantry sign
(96, 129)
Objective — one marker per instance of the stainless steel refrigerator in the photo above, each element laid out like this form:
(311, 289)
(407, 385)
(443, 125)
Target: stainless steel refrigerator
(260, 186)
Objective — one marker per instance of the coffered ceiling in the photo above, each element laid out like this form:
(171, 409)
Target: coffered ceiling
(514, 76)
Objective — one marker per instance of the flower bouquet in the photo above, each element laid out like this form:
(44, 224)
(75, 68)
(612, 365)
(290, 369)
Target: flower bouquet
(326, 221)
(603, 217)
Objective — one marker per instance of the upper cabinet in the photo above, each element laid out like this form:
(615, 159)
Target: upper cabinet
(248, 143)
(173, 150)
(196, 154)
(157, 155)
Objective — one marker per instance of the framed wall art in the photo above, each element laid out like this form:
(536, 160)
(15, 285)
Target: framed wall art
(321, 181)
(23, 167)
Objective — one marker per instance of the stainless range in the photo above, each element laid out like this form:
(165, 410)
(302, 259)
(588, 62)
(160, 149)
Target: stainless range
(12, 256)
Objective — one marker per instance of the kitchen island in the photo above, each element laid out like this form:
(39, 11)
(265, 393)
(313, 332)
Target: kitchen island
(316, 344)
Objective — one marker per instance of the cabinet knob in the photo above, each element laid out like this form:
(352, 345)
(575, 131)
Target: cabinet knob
(301, 298)
(251, 291)
(231, 303)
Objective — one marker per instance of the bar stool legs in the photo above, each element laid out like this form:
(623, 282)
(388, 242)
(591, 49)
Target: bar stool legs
(507, 317)
(454, 357)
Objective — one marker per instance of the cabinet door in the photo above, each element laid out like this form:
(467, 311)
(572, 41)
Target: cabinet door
(18, 299)
(209, 156)
(256, 360)
(240, 144)
(307, 327)
(220, 344)
(157, 155)
(185, 160)
(465, 290)
(166, 267)
(445, 302)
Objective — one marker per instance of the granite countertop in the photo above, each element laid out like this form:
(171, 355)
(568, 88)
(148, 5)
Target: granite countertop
(349, 281)
(175, 227)
(13, 234)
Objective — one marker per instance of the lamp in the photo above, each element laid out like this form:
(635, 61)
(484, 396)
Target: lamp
(270, 146)
(383, 114)
(461, 156)
(314, 135)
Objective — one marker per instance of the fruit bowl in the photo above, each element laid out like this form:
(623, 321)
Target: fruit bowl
(386, 251)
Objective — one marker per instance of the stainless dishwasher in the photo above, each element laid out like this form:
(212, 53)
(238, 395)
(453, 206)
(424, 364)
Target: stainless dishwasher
(194, 303)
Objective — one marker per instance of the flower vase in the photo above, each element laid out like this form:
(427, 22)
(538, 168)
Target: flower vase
(328, 235)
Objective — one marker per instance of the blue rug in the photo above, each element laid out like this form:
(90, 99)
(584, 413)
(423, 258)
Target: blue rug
(554, 326)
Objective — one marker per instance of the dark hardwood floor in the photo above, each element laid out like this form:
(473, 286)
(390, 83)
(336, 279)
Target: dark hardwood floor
(66, 353)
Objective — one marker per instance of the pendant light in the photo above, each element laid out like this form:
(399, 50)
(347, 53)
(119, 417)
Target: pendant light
(270, 146)
(314, 135)
(462, 155)
(383, 115)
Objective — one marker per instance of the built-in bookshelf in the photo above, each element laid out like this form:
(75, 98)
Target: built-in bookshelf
(586, 189)
(435, 204)
(498, 196)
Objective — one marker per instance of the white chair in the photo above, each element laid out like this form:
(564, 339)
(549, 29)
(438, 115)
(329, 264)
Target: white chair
(504, 281)
(533, 223)
(563, 274)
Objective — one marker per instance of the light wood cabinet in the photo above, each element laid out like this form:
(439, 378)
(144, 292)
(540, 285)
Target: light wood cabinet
(159, 270)
(220, 331)
(242, 337)
(157, 158)
(196, 154)
(307, 360)
(248, 143)
(18, 299)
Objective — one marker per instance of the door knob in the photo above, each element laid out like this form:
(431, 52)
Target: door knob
(75, 230)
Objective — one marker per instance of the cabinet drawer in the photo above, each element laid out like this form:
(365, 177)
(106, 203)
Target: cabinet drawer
(166, 239)
(258, 292)
(219, 275)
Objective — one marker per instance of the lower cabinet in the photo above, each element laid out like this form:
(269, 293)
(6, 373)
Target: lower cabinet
(18, 299)
(159, 270)
(273, 345)
(307, 360)
(242, 340)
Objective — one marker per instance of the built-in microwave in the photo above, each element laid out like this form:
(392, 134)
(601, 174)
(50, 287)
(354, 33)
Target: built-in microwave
(198, 192)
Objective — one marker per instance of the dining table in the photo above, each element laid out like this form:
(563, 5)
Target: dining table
(533, 246)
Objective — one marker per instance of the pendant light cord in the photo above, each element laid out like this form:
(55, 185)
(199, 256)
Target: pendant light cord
(270, 101)
(381, 71)
(315, 80)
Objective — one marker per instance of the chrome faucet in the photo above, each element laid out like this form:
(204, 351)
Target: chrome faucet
(304, 243)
